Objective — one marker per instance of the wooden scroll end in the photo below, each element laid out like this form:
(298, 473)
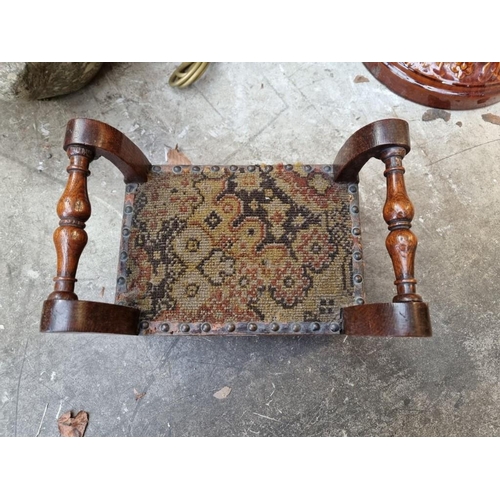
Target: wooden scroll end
(403, 319)
(88, 317)
(105, 140)
(369, 142)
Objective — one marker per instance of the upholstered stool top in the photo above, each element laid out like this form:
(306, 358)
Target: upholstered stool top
(210, 246)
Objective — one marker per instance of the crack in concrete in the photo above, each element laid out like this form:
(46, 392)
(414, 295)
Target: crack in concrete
(19, 386)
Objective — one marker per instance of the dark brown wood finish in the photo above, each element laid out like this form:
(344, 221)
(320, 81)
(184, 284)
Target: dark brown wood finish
(85, 141)
(406, 319)
(86, 316)
(389, 141)
(73, 210)
(446, 85)
(398, 212)
(109, 142)
(369, 142)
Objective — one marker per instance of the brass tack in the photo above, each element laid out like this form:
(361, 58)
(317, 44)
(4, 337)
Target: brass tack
(165, 327)
(296, 327)
(206, 327)
(185, 328)
(274, 326)
(252, 327)
(231, 327)
(315, 327)
(335, 327)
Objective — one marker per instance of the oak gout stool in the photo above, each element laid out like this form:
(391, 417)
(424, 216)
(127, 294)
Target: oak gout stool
(238, 250)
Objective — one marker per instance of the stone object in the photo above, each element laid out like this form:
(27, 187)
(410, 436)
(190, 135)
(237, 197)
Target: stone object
(41, 80)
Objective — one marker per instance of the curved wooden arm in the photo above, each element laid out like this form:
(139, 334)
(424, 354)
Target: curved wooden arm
(369, 142)
(104, 140)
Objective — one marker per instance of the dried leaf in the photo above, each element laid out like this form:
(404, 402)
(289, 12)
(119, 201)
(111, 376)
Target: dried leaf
(361, 79)
(73, 426)
(223, 393)
(138, 395)
(434, 114)
(491, 118)
(175, 157)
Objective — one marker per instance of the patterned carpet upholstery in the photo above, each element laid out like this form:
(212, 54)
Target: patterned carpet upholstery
(218, 245)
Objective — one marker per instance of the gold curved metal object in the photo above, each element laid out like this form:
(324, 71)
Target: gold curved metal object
(187, 73)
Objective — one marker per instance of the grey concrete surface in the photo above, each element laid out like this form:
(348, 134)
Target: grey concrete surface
(239, 113)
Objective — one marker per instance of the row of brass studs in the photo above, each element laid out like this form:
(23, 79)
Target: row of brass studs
(251, 328)
(128, 211)
(357, 256)
(196, 169)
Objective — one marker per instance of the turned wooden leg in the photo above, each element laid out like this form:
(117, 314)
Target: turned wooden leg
(73, 210)
(398, 212)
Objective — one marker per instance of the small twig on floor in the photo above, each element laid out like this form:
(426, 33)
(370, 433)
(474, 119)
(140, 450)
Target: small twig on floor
(274, 390)
(59, 411)
(43, 416)
(265, 416)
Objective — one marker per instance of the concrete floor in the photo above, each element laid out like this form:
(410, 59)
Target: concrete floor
(240, 113)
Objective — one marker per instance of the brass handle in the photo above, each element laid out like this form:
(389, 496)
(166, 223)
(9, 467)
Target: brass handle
(187, 73)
